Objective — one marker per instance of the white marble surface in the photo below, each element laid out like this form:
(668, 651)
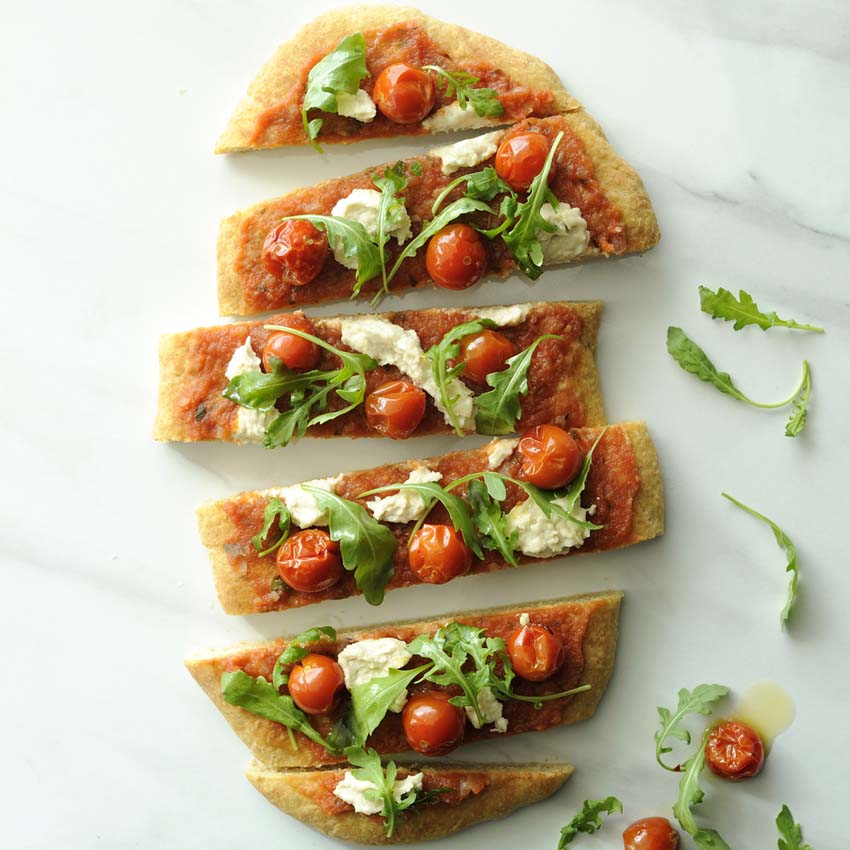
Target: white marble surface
(735, 114)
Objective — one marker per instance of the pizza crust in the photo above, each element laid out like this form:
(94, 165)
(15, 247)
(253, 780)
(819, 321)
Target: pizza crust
(284, 70)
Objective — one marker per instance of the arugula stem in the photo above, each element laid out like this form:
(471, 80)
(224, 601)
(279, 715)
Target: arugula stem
(579, 689)
(803, 380)
(442, 196)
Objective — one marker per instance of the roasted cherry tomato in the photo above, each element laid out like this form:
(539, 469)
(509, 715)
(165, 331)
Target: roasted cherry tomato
(483, 353)
(550, 457)
(437, 554)
(521, 158)
(536, 652)
(403, 93)
(432, 725)
(293, 351)
(315, 683)
(734, 751)
(395, 408)
(309, 561)
(651, 834)
(295, 251)
(456, 257)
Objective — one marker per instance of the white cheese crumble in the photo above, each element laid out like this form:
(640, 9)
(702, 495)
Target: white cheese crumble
(469, 152)
(362, 205)
(302, 505)
(524, 619)
(571, 237)
(373, 658)
(353, 791)
(545, 537)
(406, 505)
(491, 709)
(452, 117)
(392, 345)
(498, 451)
(504, 317)
(359, 106)
(251, 424)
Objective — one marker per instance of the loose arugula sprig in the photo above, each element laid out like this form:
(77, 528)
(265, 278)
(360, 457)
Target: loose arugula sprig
(790, 833)
(744, 311)
(341, 71)
(481, 185)
(275, 510)
(699, 701)
(790, 550)
(485, 102)
(588, 820)
(694, 360)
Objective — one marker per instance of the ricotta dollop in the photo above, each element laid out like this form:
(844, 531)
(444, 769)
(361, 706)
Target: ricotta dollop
(452, 117)
(303, 508)
(540, 536)
(498, 451)
(569, 240)
(504, 317)
(406, 505)
(251, 425)
(359, 106)
(468, 152)
(373, 658)
(362, 205)
(491, 709)
(353, 791)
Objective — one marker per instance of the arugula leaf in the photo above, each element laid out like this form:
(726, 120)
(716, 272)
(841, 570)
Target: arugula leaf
(744, 311)
(790, 833)
(690, 795)
(391, 210)
(799, 412)
(370, 701)
(274, 510)
(366, 546)
(260, 390)
(489, 519)
(340, 71)
(481, 185)
(415, 168)
(261, 697)
(485, 102)
(588, 820)
(699, 701)
(522, 239)
(784, 542)
(296, 650)
(572, 494)
(498, 410)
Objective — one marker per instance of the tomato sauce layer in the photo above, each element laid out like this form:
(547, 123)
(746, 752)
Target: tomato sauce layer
(575, 183)
(406, 42)
(612, 486)
(206, 415)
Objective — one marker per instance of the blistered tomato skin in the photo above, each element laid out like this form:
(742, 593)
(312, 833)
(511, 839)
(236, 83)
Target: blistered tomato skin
(432, 725)
(456, 257)
(395, 408)
(293, 351)
(521, 158)
(315, 683)
(536, 653)
(483, 353)
(403, 93)
(734, 751)
(437, 554)
(295, 251)
(651, 834)
(550, 457)
(309, 561)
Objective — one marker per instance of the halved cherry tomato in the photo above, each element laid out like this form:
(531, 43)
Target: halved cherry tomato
(309, 561)
(403, 93)
(432, 725)
(315, 682)
(536, 652)
(521, 158)
(395, 408)
(456, 257)
(483, 353)
(437, 554)
(293, 351)
(734, 751)
(651, 834)
(295, 251)
(550, 457)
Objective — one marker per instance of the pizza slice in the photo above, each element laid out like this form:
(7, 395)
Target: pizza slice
(392, 374)
(327, 697)
(547, 494)
(369, 72)
(545, 191)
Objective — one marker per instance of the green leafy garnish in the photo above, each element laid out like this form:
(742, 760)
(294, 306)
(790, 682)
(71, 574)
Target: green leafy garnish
(481, 185)
(490, 521)
(415, 168)
(699, 701)
(296, 650)
(485, 102)
(694, 360)
(390, 212)
(522, 239)
(370, 701)
(744, 311)
(366, 546)
(274, 510)
(498, 410)
(340, 71)
(588, 820)
(790, 550)
(790, 833)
